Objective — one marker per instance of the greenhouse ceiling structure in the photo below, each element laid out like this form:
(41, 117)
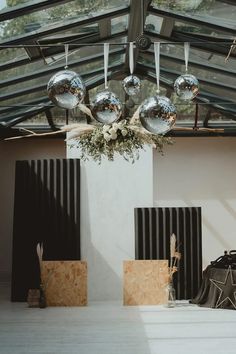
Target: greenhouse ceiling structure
(33, 35)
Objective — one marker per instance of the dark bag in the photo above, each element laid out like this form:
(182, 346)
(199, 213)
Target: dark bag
(223, 262)
(208, 294)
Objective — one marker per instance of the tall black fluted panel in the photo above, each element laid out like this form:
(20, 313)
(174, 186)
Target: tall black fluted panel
(46, 209)
(153, 227)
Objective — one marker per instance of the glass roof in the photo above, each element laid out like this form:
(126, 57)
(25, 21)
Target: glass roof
(33, 36)
(206, 10)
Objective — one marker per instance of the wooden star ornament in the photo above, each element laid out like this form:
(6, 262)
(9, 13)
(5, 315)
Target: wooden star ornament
(227, 289)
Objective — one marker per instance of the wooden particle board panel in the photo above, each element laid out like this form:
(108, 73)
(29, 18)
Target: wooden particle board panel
(144, 282)
(65, 282)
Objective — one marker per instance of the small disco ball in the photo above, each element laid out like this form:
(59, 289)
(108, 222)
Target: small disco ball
(157, 114)
(131, 85)
(66, 89)
(106, 107)
(186, 87)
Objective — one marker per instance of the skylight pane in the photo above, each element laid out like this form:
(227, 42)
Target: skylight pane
(119, 24)
(153, 23)
(12, 55)
(49, 18)
(206, 10)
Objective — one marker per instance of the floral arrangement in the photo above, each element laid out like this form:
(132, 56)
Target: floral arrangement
(123, 138)
(126, 137)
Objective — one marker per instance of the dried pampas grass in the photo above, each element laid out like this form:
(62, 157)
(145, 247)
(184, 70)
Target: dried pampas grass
(175, 256)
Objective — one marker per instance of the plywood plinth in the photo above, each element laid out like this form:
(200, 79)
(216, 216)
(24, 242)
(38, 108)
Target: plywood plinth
(144, 282)
(65, 282)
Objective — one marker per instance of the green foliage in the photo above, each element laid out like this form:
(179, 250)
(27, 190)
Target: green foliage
(11, 3)
(184, 5)
(123, 140)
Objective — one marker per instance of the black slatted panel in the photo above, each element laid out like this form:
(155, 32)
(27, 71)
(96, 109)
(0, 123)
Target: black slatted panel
(46, 209)
(153, 227)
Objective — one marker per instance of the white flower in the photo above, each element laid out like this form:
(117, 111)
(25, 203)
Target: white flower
(124, 132)
(112, 131)
(115, 126)
(114, 136)
(105, 128)
(121, 124)
(107, 137)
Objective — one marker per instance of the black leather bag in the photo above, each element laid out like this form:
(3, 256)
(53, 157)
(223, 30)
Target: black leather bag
(228, 259)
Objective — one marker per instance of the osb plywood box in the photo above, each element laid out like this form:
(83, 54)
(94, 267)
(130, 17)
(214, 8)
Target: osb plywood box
(65, 282)
(144, 282)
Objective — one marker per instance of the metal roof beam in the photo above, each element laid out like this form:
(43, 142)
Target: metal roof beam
(136, 17)
(104, 28)
(230, 2)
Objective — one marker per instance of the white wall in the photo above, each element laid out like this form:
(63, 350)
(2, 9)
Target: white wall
(195, 171)
(109, 194)
(10, 151)
(192, 172)
(201, 172)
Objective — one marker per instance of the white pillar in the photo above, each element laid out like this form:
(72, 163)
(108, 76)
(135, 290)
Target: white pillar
(109, 194)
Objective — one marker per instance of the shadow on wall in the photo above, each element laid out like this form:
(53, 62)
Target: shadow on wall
(10, 151)
(47, 197)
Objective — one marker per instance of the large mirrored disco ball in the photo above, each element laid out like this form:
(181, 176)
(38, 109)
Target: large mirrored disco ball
(186, 87)
(157, 114)
(66, 89)
(131, 85)
(106, 107)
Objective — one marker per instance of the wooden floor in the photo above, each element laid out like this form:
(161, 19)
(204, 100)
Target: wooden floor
(110, 328)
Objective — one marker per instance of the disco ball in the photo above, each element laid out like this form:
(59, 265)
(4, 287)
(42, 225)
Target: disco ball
(131, 85)
(106, 107)
(66, 89)
(157, 114)
(186, 87)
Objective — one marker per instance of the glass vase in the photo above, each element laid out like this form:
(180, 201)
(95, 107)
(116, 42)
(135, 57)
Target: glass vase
(171, 296)
(42, 299)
